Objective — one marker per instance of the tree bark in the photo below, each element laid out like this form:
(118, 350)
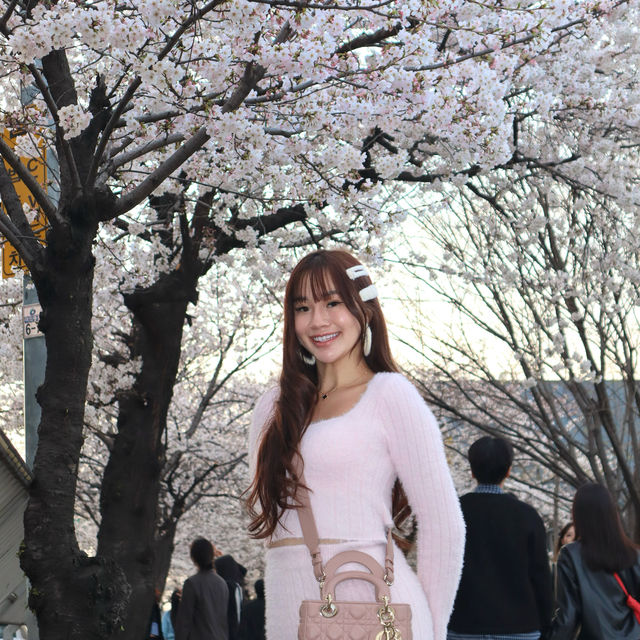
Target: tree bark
(131, 485)
(164, 545)
(75, 597)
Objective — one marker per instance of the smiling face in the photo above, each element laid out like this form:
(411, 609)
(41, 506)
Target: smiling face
(325, 327)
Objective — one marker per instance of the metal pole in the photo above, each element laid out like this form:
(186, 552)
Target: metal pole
(34, 362)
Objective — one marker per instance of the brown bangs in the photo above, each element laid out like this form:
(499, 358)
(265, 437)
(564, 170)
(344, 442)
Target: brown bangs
(326, 277)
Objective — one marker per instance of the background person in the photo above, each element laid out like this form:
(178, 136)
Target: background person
(233, 574)
(202, 614)
(359, 425)
(567, 535)
(252, 619)
(155, 619)
(170, 617)
(591, 604)
(505, 589)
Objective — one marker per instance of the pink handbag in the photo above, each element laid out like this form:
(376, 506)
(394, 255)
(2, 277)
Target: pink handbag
(331, 619)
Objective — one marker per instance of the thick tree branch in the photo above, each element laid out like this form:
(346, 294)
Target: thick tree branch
(128, 156)
(58, 90)
(154, 180)
(13, 223)
(29, 181)
(369, 39)
(13, 235)
(7, 15)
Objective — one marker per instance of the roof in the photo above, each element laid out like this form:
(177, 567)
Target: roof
(13, 460)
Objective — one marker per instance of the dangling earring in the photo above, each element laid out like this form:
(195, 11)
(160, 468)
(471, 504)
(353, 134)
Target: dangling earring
(307, 359)
(366, 343)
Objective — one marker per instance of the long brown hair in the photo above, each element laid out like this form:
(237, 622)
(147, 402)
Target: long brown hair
(604, 544)
(276, 481)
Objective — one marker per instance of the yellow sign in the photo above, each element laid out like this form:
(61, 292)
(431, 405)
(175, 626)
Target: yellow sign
(11, 260)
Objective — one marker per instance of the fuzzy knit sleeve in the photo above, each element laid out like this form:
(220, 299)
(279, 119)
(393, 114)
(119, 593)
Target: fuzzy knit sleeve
(261, 414)
(417, 453)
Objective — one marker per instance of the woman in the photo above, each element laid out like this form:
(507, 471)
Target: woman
(567, 535)
(358, 426)
(591, 604)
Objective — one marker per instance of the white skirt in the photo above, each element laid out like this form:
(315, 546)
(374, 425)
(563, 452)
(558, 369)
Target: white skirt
(289, 580)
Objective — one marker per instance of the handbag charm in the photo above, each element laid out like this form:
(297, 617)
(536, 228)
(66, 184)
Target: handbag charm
(387, 615)
(329, 618)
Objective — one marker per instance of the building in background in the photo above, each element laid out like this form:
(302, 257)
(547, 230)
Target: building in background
(14, 483)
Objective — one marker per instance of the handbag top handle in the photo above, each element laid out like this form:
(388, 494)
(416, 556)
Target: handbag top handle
(312, 540)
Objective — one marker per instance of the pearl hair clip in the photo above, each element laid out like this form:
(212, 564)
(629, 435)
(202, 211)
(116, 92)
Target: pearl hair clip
(358, 271)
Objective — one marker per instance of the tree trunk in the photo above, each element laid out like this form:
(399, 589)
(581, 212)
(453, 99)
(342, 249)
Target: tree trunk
(75, 597)
(163, 552)
(131, 484)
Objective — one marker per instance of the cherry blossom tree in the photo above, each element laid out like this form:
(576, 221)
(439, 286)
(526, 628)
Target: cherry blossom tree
(544, 281)
(242, 127)
(538, 258)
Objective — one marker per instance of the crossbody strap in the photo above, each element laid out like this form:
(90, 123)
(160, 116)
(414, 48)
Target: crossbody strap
(617, 577)
(312, 540)
(309, 528)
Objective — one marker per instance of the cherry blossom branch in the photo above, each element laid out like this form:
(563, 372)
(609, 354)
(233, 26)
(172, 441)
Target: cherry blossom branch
(154, 180)
(491, 50)
(253, 74)
(135, 84)
(327, 7)
(369, 39)
(138, 152)
(43, 86)
(7, 15)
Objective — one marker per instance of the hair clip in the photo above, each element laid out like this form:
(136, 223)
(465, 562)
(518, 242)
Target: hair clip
(369, 293)
(358, 271)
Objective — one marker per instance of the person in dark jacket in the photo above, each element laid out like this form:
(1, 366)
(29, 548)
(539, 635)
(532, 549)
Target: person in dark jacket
(203, 608)
(170, 618)
(155, 621)
(252, 620)
(505, 589)
(233, 574)
(591, 604)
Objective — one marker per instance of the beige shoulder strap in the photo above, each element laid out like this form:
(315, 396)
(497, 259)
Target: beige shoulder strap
(310, 531)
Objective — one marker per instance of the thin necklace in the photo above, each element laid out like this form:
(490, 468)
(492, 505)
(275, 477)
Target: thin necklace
(324, 394)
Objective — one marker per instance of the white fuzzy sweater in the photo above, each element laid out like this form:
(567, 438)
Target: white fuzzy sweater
(351, 463)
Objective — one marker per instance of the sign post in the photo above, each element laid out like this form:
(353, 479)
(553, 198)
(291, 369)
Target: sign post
(34, 362)
(35, 353)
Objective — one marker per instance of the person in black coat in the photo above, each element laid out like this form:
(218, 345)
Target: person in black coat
(591, 603)
(233, 574)
(252, 620)
(505, 588)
